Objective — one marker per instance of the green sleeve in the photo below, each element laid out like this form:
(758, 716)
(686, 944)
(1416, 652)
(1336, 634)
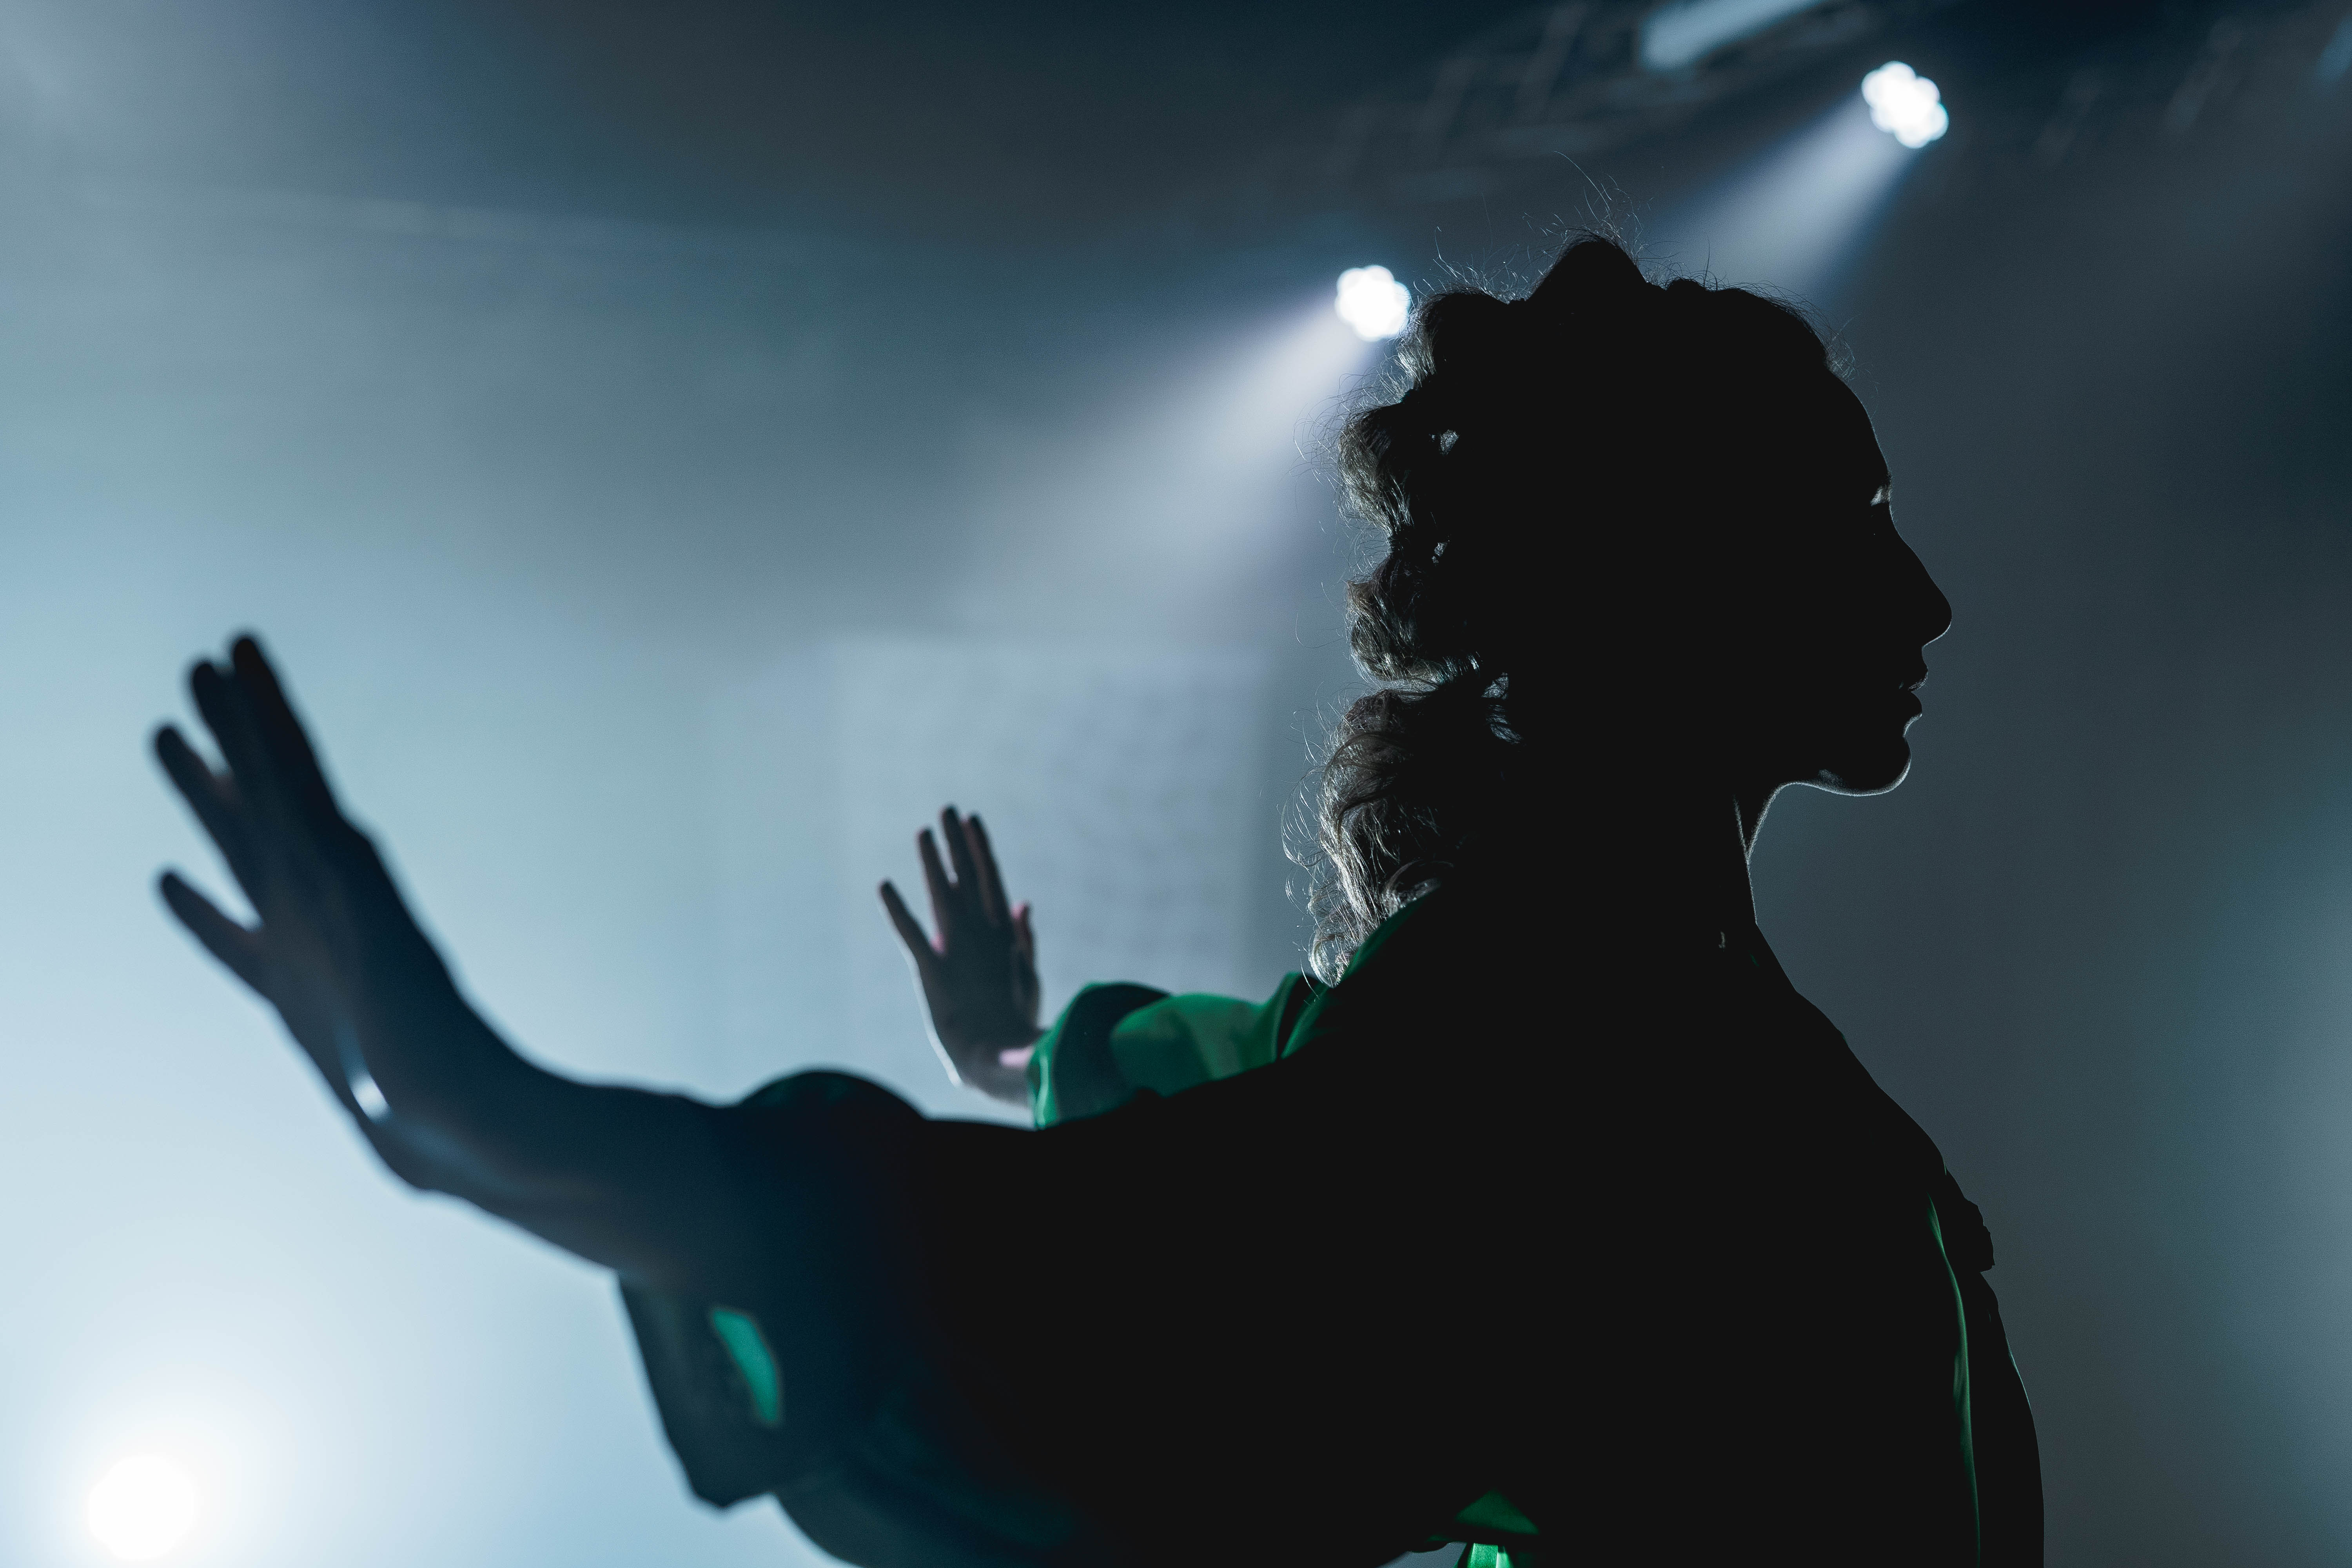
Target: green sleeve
(712, 1372)
(1114, 1042)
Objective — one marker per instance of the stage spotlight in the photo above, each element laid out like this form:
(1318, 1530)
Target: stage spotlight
(1372, 302)
(142, 1507)
(1904, 104)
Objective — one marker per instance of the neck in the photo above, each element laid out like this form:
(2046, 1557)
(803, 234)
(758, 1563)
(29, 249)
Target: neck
(1676, 857)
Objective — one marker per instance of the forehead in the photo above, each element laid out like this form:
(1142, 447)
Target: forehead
(1826, 427)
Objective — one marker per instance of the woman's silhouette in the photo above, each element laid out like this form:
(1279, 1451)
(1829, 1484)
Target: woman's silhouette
(1555, 1222)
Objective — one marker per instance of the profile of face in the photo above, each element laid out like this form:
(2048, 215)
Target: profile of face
(1824, 625)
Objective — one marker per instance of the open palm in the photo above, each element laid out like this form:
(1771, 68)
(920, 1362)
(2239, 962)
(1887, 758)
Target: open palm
(979, 979)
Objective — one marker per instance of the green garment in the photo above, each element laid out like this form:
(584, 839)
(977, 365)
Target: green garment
(1767, 1292)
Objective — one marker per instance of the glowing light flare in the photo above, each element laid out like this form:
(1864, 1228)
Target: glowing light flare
(142, 1507)
(1372, 302)
(1904, 104)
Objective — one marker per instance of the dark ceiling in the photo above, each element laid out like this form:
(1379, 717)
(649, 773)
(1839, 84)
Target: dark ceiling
(923, 117)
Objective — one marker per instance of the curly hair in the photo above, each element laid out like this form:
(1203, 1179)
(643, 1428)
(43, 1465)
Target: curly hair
(1536, 449)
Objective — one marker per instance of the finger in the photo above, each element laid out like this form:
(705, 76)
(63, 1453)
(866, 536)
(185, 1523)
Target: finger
(284, 855)
(910, 929)
(968, 887)
(984, 859)
(211, 797)
(239, 949)
(288, 744)
(271, 793)
(943, 893)
(227, 713)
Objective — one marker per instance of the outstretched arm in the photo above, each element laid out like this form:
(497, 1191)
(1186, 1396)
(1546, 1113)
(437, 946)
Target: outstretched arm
(979, 979)
(623, 1177)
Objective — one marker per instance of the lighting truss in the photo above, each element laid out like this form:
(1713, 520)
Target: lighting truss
(1568, 80)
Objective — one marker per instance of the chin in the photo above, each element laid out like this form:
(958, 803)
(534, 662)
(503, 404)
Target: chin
(1871, 769)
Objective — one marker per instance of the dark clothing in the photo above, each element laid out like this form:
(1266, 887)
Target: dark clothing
(1618, 1231)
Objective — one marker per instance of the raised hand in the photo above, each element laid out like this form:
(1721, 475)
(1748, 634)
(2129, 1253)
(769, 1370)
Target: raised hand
(980, 978)
(337, 952)
(620, 1176)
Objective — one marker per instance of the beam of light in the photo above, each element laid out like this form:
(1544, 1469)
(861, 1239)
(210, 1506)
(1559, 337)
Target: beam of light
(1372, 302)
(2337, 57)
(142, 1507)
(1794, 217)
(1680, 35)
(1904, 104)
(1161, 510)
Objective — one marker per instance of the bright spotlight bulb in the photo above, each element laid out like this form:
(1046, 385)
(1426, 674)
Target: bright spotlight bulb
(1904, 104)
(142, 1507)
(1373, 302)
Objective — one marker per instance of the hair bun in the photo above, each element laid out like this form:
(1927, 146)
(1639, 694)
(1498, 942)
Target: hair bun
(1591, 271)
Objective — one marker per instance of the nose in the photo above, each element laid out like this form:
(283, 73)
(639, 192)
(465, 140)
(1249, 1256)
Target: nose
(1926, 613)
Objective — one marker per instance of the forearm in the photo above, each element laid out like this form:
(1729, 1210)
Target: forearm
(624, 1178)
(611, 1173)
(632, 1179)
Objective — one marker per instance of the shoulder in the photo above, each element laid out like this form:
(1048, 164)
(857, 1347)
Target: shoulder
(1458, 952)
